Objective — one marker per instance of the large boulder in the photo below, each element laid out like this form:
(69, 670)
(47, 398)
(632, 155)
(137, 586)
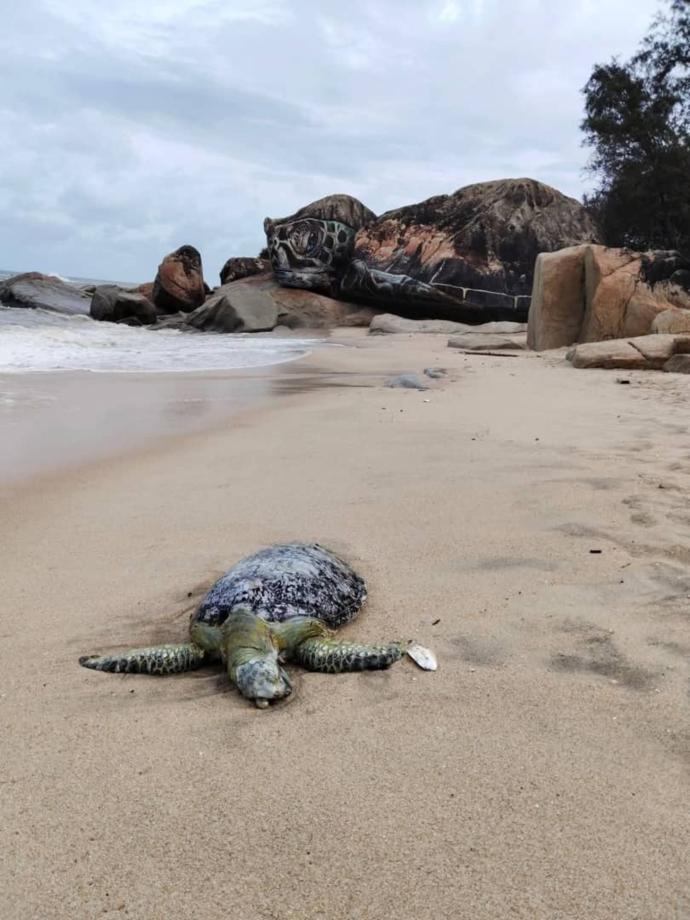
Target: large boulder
(295, 308)
(236, 307)
(239, 267)
(32, 289)
(252, 304)
(115, 305)
(466, 255)
(179, 283)
(558, 298)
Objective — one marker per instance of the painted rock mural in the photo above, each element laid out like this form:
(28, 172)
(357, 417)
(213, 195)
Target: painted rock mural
(468, 256)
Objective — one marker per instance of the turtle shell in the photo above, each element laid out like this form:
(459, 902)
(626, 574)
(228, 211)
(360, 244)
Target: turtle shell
(287, 580)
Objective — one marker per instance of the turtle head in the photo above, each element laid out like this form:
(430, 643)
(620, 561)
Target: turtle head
(262, 679)
(251, 654)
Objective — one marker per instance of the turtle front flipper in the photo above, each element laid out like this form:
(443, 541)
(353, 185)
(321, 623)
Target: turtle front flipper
(334, 656)
(157, 659)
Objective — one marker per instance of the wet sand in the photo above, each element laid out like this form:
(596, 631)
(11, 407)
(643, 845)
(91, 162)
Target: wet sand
(526, 520)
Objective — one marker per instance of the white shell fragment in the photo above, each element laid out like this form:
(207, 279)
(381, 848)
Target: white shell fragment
(422, 657)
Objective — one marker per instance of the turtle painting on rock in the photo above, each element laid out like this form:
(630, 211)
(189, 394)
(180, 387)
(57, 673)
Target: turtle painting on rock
(280, 604)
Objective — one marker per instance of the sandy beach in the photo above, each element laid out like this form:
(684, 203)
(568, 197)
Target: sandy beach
(527, 521)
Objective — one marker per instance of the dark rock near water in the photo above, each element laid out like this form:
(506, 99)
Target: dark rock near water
(179, 283)
(236, 307)
(32, 289)
(239, 267)
(294, 308)
(115, 305)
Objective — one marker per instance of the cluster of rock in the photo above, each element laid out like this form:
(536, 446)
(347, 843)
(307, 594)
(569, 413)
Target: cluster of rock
(468, 256)
(592, 293)
(619, 299)
(496, 251)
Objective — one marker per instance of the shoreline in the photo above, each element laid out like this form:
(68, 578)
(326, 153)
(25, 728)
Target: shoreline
(543, 771)
(112, 414)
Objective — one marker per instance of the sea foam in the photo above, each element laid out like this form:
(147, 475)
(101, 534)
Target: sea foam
(38, 340)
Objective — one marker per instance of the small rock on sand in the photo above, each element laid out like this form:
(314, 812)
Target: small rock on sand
(407, 382)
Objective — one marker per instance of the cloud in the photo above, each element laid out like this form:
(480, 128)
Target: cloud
(131, 128)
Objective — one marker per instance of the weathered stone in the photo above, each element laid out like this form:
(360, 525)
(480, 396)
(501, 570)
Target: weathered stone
(472, 341)
(558, 299)
(678, 364)
(179, 283)
(672, 321)
(32, 289)
(618, 302)
(312, 248)
(462, 257)
(647, 352)
(112, 304)
(342, 208)
(388, 323)
(145, 289)
(302, 309)
(465, 255)
(236, 307)
(239, 267)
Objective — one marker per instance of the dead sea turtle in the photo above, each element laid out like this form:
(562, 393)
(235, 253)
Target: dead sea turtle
(277, 605)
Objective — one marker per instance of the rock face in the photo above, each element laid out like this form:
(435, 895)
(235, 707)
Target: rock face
(593, 293)
(469, 255)
(558, 298)
(236, 308)
(466, 256)
(258, 303)
(114, 305)
(239, 267)
(47, 292)
(312, 248)
(647, 352)
(179, 283)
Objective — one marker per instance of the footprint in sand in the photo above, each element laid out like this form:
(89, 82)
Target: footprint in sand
(596, 653)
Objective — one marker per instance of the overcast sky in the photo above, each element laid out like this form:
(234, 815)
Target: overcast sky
(133, 126)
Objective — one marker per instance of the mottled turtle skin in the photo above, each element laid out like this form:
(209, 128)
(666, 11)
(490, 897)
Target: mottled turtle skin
(277, 605)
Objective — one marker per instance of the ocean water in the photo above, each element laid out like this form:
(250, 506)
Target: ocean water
(41, 340)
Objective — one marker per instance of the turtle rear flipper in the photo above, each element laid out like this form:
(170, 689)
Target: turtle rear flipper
(157, 659)
(336, 657)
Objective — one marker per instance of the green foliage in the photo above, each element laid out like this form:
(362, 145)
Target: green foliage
(637, 120)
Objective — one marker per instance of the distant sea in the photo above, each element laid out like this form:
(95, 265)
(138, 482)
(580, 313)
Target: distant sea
(41, 340)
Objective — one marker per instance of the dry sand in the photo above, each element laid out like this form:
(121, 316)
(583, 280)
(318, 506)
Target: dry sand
(542, 772)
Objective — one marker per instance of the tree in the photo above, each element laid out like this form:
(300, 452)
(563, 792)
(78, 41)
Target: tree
(637, 120)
